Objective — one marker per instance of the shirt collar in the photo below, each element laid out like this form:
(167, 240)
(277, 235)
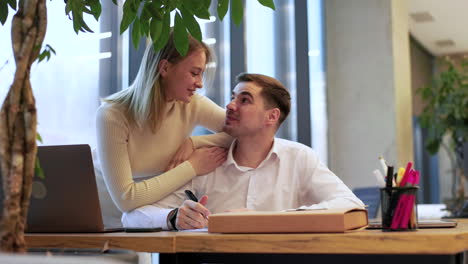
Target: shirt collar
(231, 161)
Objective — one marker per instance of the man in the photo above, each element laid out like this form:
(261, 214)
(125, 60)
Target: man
(261, 172)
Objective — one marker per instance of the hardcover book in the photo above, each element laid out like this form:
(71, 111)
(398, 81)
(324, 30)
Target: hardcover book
(307, 221)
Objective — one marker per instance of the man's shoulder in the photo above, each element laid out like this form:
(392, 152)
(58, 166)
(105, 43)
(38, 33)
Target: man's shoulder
(289, 144)
(292, 147)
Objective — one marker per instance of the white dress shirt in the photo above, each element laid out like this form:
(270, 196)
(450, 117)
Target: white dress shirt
(291, 176)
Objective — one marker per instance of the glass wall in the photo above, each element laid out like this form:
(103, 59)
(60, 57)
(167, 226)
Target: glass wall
(318, 99)
(66, 87)
(89, 66)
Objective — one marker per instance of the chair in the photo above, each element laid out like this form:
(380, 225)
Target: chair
(370, 196)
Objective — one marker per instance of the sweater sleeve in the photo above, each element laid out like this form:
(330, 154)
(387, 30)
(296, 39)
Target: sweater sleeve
(112, 130)
(212, 117)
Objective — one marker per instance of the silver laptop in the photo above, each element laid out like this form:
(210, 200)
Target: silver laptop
(67, 199)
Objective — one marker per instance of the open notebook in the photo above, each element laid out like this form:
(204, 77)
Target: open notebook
(66, 200)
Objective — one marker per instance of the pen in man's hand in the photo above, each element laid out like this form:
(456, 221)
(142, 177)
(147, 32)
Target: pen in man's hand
(191, 196)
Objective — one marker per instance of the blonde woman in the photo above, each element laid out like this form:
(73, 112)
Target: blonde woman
(141, 128)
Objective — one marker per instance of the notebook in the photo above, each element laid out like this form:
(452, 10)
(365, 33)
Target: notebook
(66, 200)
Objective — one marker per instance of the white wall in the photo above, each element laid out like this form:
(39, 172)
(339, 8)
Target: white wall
(369, 87)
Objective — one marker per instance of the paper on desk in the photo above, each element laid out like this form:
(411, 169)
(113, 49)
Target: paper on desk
(195, 230)
(432, 211)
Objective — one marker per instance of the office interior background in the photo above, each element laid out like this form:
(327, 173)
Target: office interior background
(352, 68)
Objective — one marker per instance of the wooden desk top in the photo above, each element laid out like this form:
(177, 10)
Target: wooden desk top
(423, 241)
(163, 242)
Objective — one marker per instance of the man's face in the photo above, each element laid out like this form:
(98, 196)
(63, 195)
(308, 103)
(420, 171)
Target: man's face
(246, 113)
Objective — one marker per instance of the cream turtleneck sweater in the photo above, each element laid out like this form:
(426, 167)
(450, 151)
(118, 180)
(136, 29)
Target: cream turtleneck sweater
(132, 160)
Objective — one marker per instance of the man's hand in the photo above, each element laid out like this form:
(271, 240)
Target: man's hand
(205, 160)
(182, 154)
(193, 215)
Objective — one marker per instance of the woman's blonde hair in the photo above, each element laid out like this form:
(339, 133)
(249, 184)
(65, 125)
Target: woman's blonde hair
(144, 100)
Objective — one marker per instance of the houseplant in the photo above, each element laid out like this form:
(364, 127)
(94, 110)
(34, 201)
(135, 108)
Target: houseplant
(18, 119)
(445, 115)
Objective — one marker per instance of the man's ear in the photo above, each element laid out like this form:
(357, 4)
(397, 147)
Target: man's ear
(273, 116)
(163, 67)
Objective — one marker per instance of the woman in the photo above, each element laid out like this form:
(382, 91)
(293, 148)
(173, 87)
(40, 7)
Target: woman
(140, 129)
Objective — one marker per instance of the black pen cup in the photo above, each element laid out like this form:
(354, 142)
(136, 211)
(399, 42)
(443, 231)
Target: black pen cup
(399, 210)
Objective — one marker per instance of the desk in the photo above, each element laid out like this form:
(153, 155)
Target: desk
(438, 245)
(163, 242)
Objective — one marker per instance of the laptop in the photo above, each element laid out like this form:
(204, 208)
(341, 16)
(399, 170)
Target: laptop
(67, 199)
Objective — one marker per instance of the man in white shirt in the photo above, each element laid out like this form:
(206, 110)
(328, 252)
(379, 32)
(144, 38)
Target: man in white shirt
(261, 172)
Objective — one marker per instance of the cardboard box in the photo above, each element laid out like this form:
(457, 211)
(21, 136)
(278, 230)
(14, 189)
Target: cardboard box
(312, 221)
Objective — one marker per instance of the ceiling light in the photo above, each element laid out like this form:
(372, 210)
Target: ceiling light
(422, 17)
(444, 43)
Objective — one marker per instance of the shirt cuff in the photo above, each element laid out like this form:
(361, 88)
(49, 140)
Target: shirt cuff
(148, 216)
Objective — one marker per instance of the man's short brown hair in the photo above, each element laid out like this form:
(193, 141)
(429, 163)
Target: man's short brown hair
(273, 91)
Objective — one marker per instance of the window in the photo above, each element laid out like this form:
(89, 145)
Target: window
(317, 86)
(270, 50)
(66, 87)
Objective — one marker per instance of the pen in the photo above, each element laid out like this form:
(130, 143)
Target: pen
(380, 178)
(384, 164)
(191, 196)
(389, 182)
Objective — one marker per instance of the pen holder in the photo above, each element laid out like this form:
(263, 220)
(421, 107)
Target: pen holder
(398, 206)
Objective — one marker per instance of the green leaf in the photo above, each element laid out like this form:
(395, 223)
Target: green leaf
(51, 49)
(3, 12)
(41, 56)
(433, 146)
(96, 8)
(191, 24)
(83, 26)
(223, 6)
(39, 138)
(68, 7)
(206, 4)
(191, 5)
(146, 12)
(144, 28)
(237, 11)
(166, 28)
(155, 29)
(267, 3)
(202, 13)
(136, 33)
(115, 2)
(46, 53)
(181, 41)
(199, 10)
(129, 16)
(38, 170)
(157, 10)
(77, 7)
(12, 4)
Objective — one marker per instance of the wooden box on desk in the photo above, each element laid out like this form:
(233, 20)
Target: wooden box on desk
(311, 221)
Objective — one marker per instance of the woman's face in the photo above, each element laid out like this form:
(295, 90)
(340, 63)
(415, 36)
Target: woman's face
(180, 80)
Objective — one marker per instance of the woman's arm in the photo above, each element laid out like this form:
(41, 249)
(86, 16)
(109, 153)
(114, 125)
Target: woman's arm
(112, 137)
(212, 117)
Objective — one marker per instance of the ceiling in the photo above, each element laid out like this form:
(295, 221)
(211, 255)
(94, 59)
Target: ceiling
(441, 26)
